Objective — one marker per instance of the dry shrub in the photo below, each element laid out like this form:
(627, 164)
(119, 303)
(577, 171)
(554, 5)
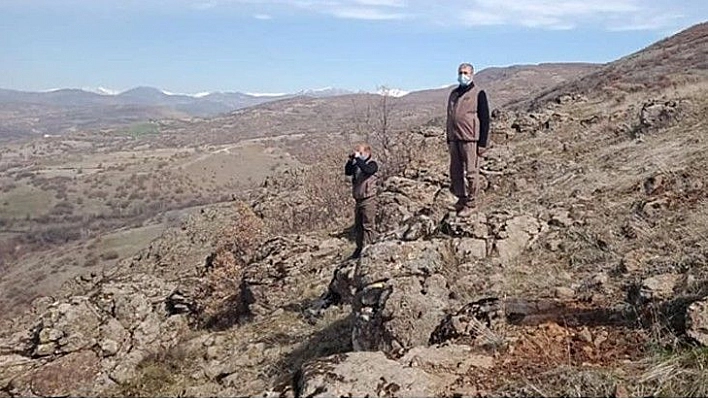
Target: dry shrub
(315, 197)
(219, 299)
(243, 236)
(395, 150)
(158, 375)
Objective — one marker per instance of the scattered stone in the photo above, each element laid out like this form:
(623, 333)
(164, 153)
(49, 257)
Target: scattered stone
(560, 218)
(109, 347)
(653, 184)
(585, 335)
(697, 321)
(600, 279)
(555, 245)
(564, 293)
(632, 262)
(653, 208)
(45, 349)
(658, 288)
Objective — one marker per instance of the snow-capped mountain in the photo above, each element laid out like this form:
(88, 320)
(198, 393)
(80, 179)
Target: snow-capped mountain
(391, 92)
(199, 104)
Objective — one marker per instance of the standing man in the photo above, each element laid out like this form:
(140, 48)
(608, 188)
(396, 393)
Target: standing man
(467, 132)
(363, 170)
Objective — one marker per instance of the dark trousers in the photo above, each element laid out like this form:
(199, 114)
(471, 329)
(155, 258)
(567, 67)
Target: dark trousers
(464, 170)
(364, 214)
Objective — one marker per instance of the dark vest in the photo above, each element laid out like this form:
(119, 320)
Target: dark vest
(462, 120)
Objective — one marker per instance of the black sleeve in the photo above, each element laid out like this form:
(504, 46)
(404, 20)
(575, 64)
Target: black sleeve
(349, 168)
(483, 115)
(369, 168)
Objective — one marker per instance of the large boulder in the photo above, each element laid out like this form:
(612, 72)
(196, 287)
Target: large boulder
(287, 267)
(513, 235)
(70, 375)
(365, 374)
(401, 295)
(403, 198)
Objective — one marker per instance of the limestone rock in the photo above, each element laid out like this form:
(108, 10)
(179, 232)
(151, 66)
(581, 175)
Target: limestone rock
(469, 249)
(67, 327)
(401, 295)
(560, 218)
(364, 374)
(54, 379)
(515, 235)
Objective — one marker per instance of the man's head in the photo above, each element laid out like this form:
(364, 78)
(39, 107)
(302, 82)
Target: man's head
(364, 149)
(464, 73)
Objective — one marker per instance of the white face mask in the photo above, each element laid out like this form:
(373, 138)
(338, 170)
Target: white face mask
(464, 80)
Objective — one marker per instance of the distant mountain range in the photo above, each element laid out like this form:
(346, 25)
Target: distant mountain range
(201, 104)
(60, 111)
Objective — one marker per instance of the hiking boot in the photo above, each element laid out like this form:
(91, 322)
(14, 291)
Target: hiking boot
(458, 205)
(356, 254)
(466, 211)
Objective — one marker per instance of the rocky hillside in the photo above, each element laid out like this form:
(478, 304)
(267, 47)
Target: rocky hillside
(584, 273)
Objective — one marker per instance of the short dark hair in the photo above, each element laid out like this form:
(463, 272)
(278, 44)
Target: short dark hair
(466, 65)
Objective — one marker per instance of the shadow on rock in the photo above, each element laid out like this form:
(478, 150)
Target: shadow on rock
(333, 339)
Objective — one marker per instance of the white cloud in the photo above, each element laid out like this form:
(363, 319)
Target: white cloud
(262, 17)
(381, 3)
(204, 5)
(365, 13)
(482, 18)
(565, 14)
(647, 23)
(535, 14)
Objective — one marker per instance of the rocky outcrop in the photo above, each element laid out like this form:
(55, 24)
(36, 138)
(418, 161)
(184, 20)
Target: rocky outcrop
(400, 296)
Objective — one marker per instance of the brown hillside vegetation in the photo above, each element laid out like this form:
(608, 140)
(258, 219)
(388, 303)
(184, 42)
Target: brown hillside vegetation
(584, 272)
(672, 63)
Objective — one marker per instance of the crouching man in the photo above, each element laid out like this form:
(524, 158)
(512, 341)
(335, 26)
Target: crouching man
(362, 169)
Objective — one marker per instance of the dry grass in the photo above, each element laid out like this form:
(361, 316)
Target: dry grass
(159, 375)
(683, 373)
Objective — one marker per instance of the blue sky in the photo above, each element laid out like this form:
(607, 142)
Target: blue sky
(191, 46)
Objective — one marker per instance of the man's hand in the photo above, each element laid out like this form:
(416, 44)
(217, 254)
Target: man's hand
(481, 151)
